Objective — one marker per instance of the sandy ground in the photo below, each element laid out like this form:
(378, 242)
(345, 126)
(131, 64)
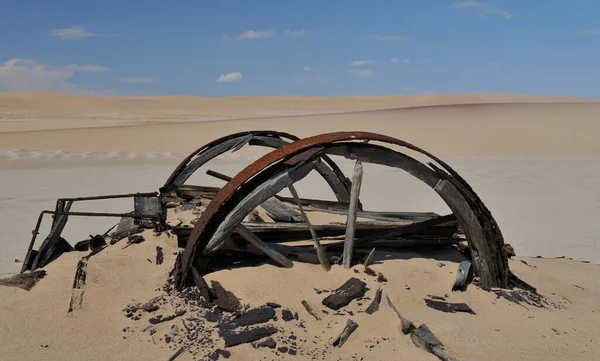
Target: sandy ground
(534, 160)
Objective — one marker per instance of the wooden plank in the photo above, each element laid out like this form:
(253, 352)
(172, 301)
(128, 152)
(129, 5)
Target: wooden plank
(424, 338)
(405, 325)
(448, 307)
(351, 217)
(310, 310)
(298, 254)
(374, 306)
(259, 244)
(323, 259)
(236, 338)
(343, 295)
(25, 281)
(369, 258)
(47, 250)
(279, 212)
(350, 327)
(224, 299)
(251, 317)
(79, 284)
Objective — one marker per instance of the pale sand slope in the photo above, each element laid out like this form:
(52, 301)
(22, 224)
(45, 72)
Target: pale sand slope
(500, 330)
(39, 110)
(548, 129)
(544, 205)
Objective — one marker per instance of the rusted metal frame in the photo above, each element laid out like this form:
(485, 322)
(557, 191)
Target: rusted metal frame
(257, 196)
(204, 227)
(54, 235)
(60, 203)
(63, 219)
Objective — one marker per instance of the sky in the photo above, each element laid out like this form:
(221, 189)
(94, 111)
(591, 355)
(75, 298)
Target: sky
(224, 48)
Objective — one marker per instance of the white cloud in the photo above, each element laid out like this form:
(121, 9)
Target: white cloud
(360, 62)
(592, 32)
(425, 61)
(73, 32)
(362, 73)
(393, 60)
(251, 34)
(231, 77)
(138, 80)
(405, 61)
(295, 33)
(390, 37)
(308, 68)
(25, 74)
(483, 9)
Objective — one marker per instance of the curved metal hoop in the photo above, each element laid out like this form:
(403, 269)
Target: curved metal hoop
(290, 163)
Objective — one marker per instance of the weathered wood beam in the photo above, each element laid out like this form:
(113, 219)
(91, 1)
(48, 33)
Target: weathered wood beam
(351, 217)
(350, 327)
(323, 259)
(258, 243)
(343, 295)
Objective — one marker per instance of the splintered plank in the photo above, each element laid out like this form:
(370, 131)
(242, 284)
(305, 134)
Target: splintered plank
(78, 284)
(350, 327)
(405, 325)
(463, 276)
(320, 252)
(310, 310)
(280, 212)
(160, 256)
(424, 338)
(258, 243)
(374, 306)
(25, 281)
(237, 338)
(351, 289)
(251, 317)
(205, 291)
(448, 307)
(351, 217)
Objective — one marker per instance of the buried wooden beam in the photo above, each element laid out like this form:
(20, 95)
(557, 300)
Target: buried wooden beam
(320, 252)
(351, 217)
(258, 243)
(350, 327)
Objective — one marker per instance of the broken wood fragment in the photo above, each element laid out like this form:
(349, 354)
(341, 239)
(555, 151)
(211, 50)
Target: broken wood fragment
(134, 239)
(287, 315)
(310, 310)
(350, 327)
(464, 276)
(351, 216)
(157, 320)
(151, 305)
(25, 281)
(205, 291)
(232, 338)
(78, 284)
(351, 289)
(251, 317)
(176, 354)
(225, 300)
(369, 258)
(374, 306)
(258, 243)
(160, 256)
(405, 325)
(267, 342)
(320, 252)
(381, 277)
(370, 271)
(424, 338)
(448, 307)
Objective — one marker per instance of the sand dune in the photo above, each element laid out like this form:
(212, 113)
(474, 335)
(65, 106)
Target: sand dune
(534, 160)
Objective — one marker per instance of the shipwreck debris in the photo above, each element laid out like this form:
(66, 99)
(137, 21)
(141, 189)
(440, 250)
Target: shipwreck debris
(25, 280)
(448, 307)
(350, 327)
(350, 290)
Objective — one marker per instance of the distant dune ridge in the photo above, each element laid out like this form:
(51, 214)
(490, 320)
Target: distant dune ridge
(533, 159)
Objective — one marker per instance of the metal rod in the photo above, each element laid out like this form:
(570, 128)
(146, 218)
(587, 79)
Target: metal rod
(218, 175)
(110, 196)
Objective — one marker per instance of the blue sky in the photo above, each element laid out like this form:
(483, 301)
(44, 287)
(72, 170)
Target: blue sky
(268, 47)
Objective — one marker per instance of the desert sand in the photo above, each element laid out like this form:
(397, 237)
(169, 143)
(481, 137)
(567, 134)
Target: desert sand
(534, 160)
